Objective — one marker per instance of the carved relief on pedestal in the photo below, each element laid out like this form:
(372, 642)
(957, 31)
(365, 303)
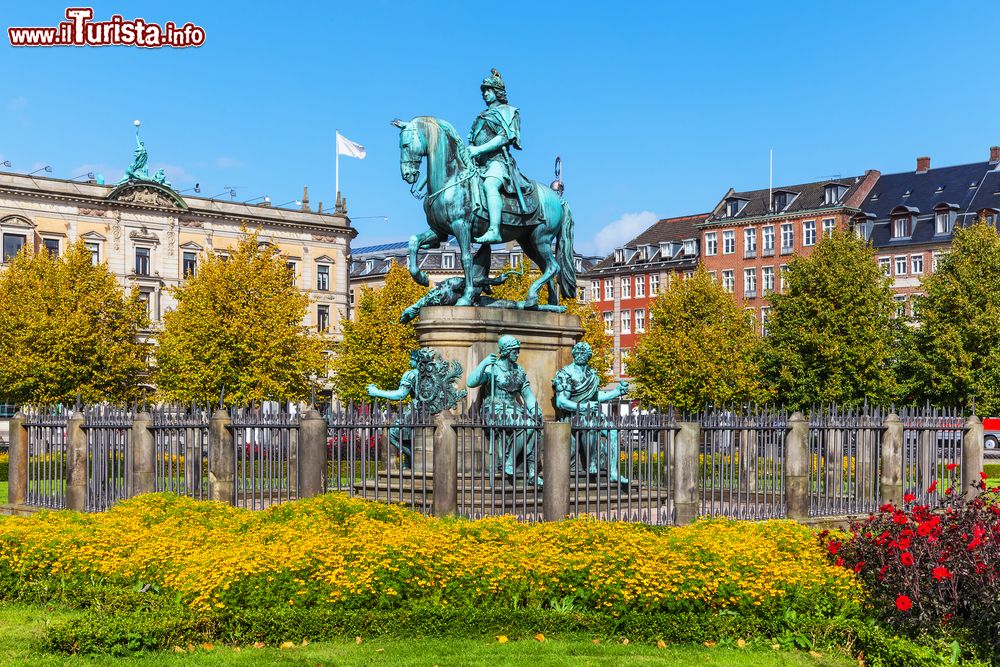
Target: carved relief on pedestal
(116, 230)
(171, 235)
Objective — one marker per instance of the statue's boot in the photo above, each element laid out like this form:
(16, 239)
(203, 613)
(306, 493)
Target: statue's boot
(494, 205)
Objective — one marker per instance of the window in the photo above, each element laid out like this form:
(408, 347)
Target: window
(595, 290)
(322, 318)
(609, 289)
(142, 261)
(901, 265)
(749, 283)
(779, 200)
(146, 299)
(690, 247)
(944, 221)
(609, 323)
(95, 253)
(728, 242)
(733, 207)
(189, 263)
(640, 286)
(765, 312)
(829, 224)
(809, 232)
(640, 321)
(369, 265)
(448, 260)
(619, 256)
(935, 258)
(291, 271)
(626, 321)
(625, 355)
(323, 277)
(781, 277)
(711, 274)
(885, 263)
(787, 238)
(915, 300)
(833, 193)
(654, 284)
(626, 287)
(728, 280)
(916, 264)
(901, 227)
(578, 265)
(52, 246)
(711, 243)
(767, 277)
(350, 298)
(12, 244)
(768, 236)
(750, 242)
(900, 305)
(515, 258)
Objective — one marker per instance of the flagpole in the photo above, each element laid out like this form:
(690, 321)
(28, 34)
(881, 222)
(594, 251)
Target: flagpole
(336, 169)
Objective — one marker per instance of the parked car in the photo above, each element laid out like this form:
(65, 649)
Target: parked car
(991, 433)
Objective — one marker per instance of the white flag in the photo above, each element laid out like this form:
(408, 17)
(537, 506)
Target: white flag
(347, 147)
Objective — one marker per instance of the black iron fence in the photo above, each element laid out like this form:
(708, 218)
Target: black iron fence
(180, 441)
(932, 452)
(109, 455)
(266, 443)
(45, 431)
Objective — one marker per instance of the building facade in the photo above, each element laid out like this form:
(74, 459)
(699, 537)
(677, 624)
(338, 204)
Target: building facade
(748, 239)
(622, 286)
(150, 236)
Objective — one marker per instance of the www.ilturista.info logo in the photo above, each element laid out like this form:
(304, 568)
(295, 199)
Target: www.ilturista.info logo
(81, 30)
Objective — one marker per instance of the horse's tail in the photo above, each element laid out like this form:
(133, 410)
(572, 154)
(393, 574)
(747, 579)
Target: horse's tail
(564, 255)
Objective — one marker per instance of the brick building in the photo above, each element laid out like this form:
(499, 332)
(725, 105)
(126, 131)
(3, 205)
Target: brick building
(909, 217)
(748, 239)
(623, 285)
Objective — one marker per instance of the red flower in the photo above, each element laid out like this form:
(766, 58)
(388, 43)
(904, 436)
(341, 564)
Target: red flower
(933, 487)
(951, 466)
(900, 518)
(982, 476)
(941, 572)
(906, 558)
(832, 548)
(903, 603)
(840, 562)
(909, 498)
(888, 507)
(857, 568)
(903, 544)
(881, 572)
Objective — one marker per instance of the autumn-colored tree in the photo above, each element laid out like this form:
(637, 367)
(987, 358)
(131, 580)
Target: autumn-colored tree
(700, 348)
(237, 331)
(68, 329)
(374, 346)
(956, 356)
(831, 335)
(516, 288)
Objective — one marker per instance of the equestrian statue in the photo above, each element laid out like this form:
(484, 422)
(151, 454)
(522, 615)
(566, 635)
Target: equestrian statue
(477, 194)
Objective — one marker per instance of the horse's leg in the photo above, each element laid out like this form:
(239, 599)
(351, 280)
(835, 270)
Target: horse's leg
(535, 255)
(541, 242)
(464, 237)
(419, 242)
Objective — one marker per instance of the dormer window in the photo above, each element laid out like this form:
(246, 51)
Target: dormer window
(619, 255)
(515, 259)
(369, 265)
(734, 205)
(579, 265)
(690, 247)
(944, 219)
(832, 193)
(779, 200)
(901, 226)
(448, 260)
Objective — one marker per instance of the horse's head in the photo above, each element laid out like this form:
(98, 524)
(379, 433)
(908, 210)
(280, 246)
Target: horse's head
(412, 149)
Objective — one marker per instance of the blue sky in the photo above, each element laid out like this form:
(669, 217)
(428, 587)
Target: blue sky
(656, 108)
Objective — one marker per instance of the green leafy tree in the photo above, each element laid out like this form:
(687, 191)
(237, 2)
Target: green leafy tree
(700, 348)
(832, 335)
(238, 329)
(67, 328)
(603, 345)
(956, 348)
(375, 346)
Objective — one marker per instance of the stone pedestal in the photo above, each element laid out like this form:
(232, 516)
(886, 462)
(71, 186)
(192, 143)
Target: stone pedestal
(468, 335)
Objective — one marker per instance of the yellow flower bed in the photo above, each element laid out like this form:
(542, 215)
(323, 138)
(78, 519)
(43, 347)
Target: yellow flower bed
(337, 550)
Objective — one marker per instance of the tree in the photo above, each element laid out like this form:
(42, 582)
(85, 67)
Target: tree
(375, 347)
(700, 348)
(68, 329)
(832, 336)
(238, 330)
(603, 345)
(956, 356)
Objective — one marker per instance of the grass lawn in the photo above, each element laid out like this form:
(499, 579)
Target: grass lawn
(23, 624)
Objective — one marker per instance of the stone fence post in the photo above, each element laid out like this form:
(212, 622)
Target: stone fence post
(687, 446)
(797, 467)
(557, 443)
(445, 464)
(76, 463)
(891, 473)
(312, 458)
(972, 455)
(17, 467)
(222, 458)
(143, 456)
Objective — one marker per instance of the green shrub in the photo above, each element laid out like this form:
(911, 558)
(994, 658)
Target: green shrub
(4, 467)
(992, 470)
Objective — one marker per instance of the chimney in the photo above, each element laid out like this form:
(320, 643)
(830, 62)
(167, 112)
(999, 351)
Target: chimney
(994, 154)
(923, 165)
(305, 198)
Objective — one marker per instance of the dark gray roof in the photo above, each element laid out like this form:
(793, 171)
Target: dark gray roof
(807, 197)
(674, 230)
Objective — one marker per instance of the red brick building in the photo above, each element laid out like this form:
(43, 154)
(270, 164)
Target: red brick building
(623, 285)
(749, 238)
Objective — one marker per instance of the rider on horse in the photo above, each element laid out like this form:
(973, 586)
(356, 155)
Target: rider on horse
(493, 132)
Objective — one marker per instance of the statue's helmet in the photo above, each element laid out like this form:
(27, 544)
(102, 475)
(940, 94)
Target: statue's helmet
(495, 81)
(506, 343)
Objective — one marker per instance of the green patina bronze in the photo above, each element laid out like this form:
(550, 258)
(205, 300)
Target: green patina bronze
(578, 394)
(430, 383)
(477, 189)
(137, 171)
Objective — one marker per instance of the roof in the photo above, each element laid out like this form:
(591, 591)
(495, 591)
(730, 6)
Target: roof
(808, 197)
(663, 231)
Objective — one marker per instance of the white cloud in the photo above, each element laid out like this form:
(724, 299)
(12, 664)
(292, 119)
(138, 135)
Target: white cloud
(622, 230)
(228, 163)
(18, 103)
(175, 174)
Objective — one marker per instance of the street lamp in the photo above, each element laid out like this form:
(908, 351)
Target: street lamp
(6, 163)
(47, 169)
(196, 188)
(267, 200)
(230, 190)
(89, 175)
(294, 201)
